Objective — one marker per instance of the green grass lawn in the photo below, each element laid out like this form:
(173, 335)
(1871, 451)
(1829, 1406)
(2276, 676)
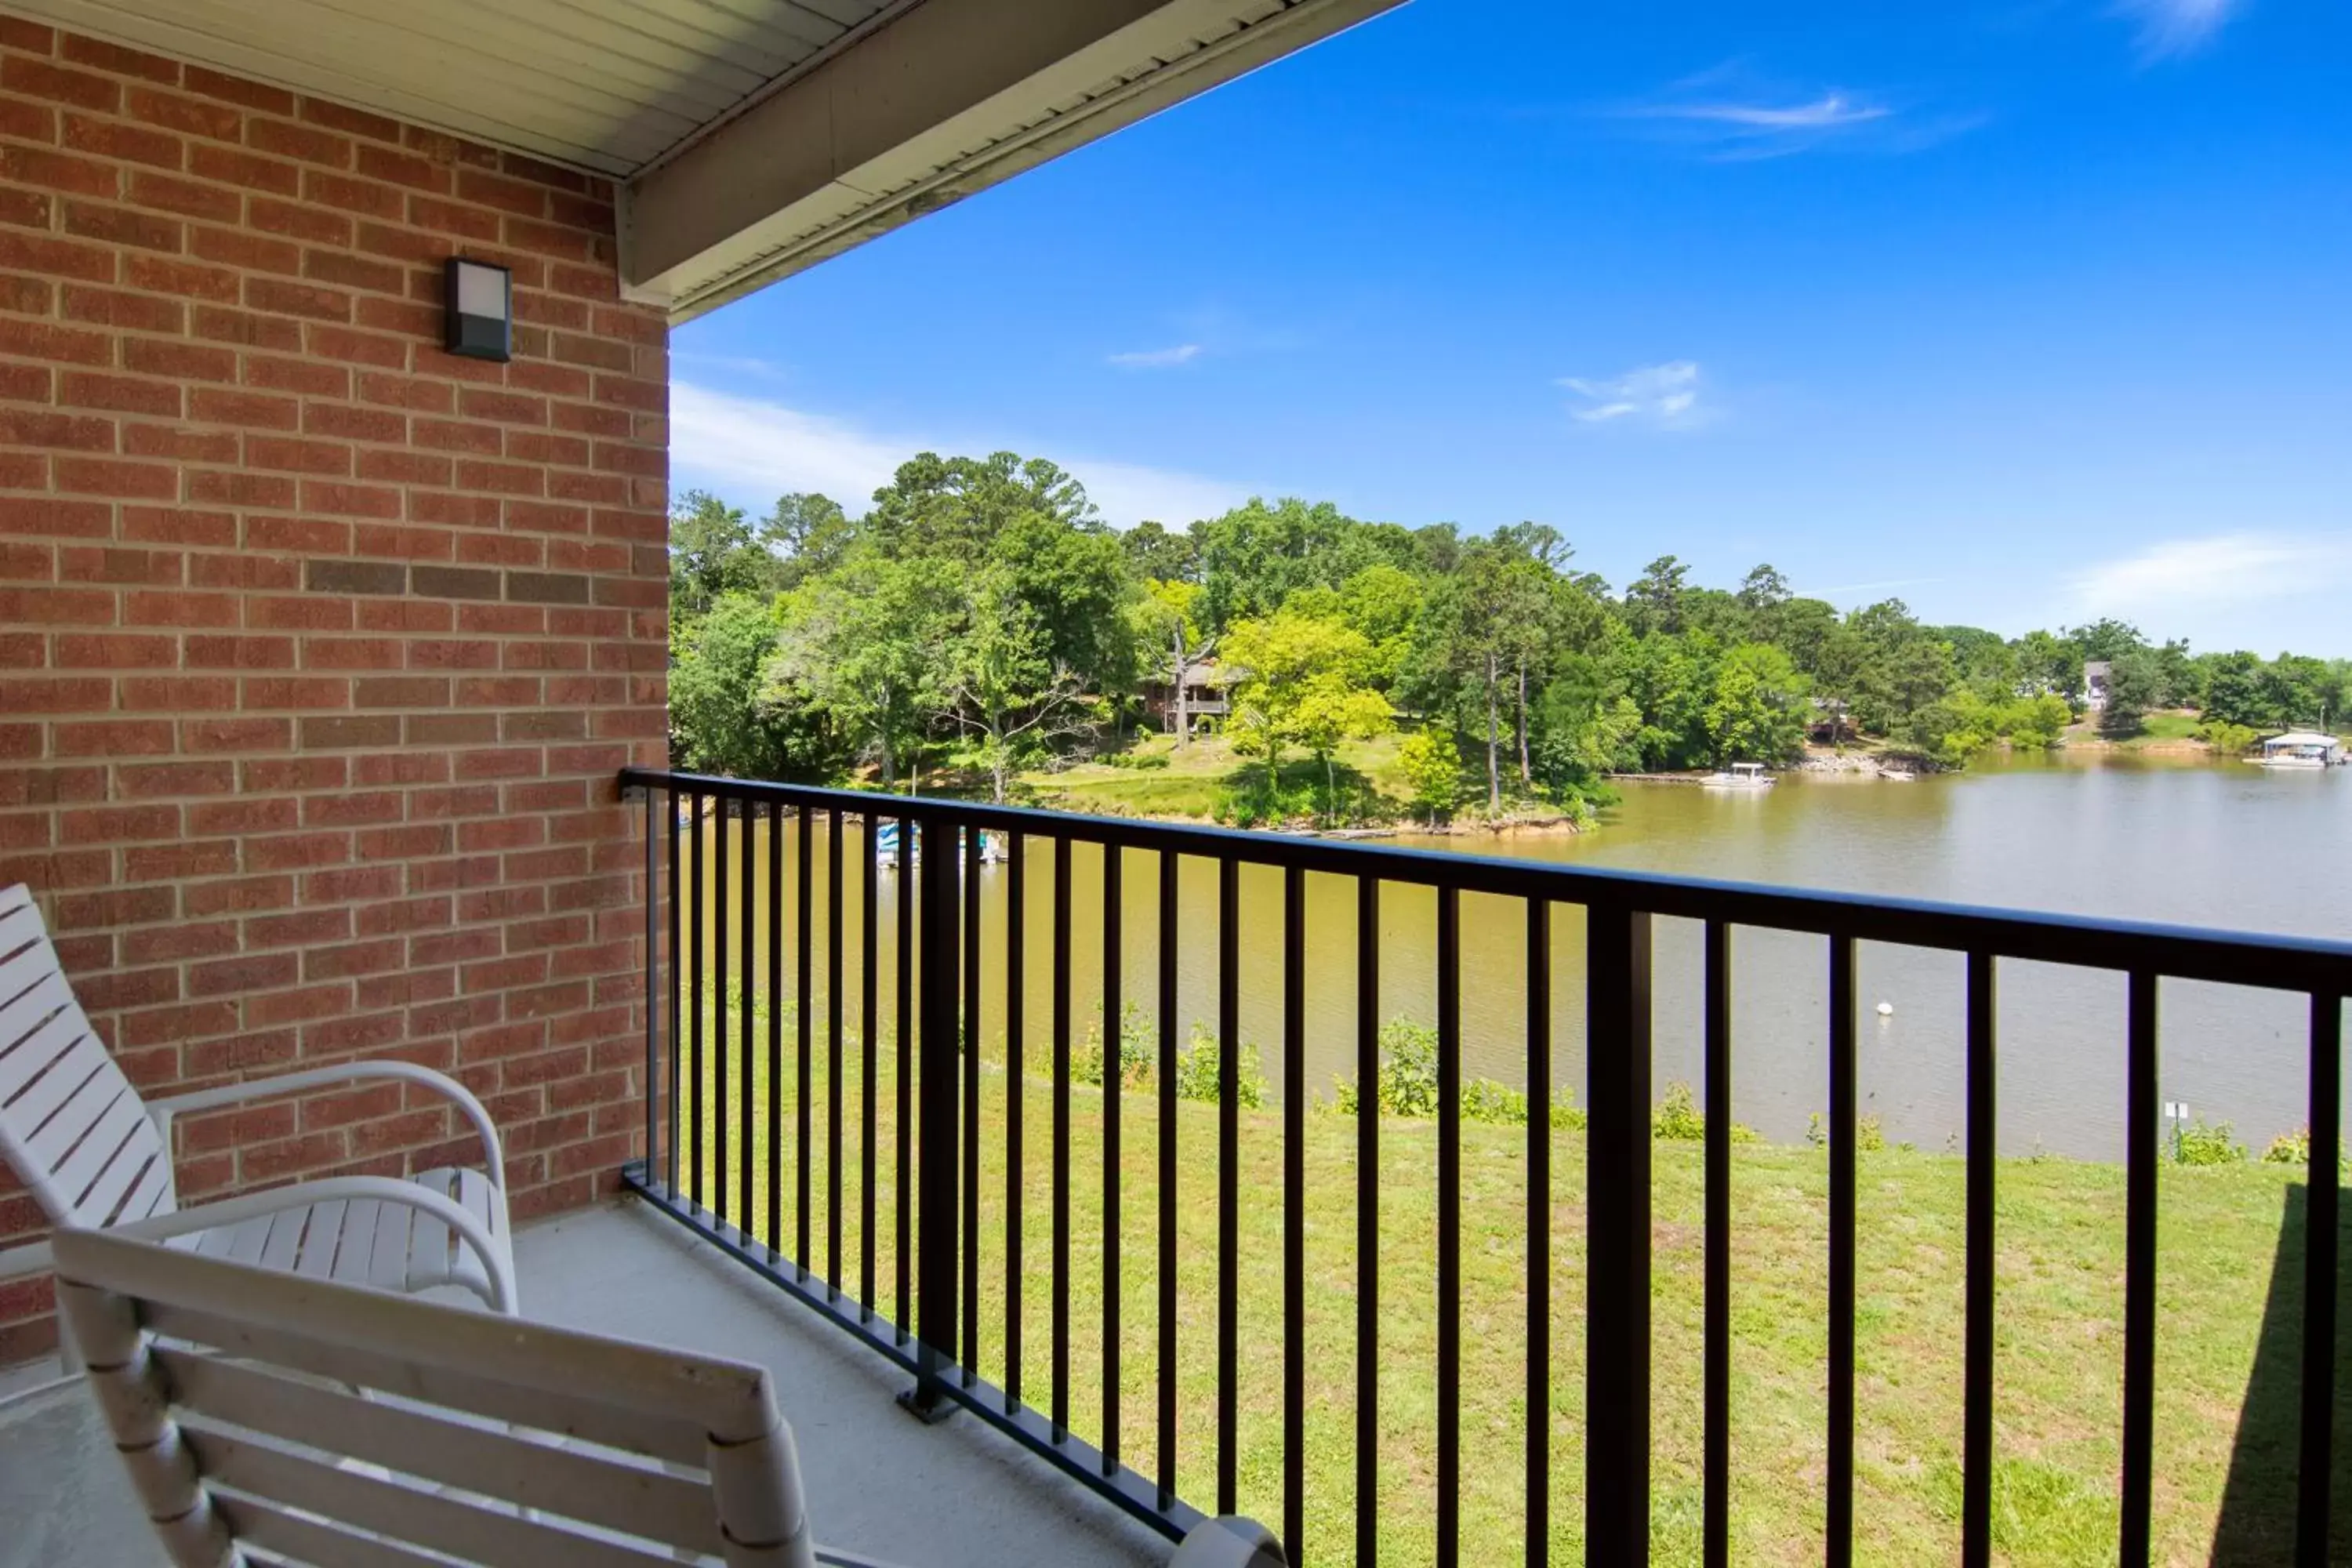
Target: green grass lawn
(2059, 1337)
(1157, 780)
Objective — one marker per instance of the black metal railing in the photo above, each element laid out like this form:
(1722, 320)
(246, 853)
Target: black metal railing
(928, 1211)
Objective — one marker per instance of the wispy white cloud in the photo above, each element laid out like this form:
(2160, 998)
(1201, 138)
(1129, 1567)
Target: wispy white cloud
(1666, 397)
(1730, 113)
(1831, 112)
(754, 451)
(2170, 27)
(2225, 570)
(1155, 359)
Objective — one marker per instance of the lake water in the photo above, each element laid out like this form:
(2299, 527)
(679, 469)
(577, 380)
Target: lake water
(2180, 842)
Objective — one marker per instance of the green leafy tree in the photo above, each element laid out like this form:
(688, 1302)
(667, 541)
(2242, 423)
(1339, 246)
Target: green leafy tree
(712, 551)
(2235, 692)
(1003, 688)
(806, 535)
(1754, 711)
(1432, 764)
(1158, 555)
(722, 720)
(1302, 682)
(2135, 684)
(1654, 600)
(866, 644)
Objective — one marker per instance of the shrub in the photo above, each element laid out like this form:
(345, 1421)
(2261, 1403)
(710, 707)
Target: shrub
(1134, 1052)
(1679, 1120)
(2200, 1144)
(1198, 1068)
(1408, 1084)
(2295, 1149)
(1869, 1136)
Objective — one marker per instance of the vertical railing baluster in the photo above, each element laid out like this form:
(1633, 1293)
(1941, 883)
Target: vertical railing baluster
(1844, 1133)
(677, 972)
(2142, 1126)
(1368, 1220)
(1976, 1401)
(1114, 1064)
(1716, 1001)
(1016, 980)
(650, 1084)
(1164, 1459)
(1229, 1155)
(969, 840)
(693, 987)
(869, 1042)
(1058, 1394)
(903, 981)
(832, 972)
(1294, 1210)
(943, 1048)
(2315, 1469)
(1617, 1236)
(1449, 1225)
(719, 1175)
(805, 1088)
(746, 1219)
(1538, 1549)
(775, 1233)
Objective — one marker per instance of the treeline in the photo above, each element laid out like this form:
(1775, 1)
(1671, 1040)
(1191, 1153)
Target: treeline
(980, 619)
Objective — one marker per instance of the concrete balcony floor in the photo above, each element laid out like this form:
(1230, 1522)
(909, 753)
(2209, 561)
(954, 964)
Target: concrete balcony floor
(879, 1482)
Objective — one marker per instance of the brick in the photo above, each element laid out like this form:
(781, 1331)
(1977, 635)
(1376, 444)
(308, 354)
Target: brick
(116, 650)
(234, 166)
(201, 735)
(64, 432)
(114, 564)
(118, 59)
(145, 608)
(117, 139)
(364, 198)
(127, 394)
(291, 454)
(59, 259)
(238, 90)
(249, 410)
(173, 525)
(298, 221)
(225, 324)
(181, 442)
(346, 346)
(305, 300)
(308, 144)
(122, 226)
(186, 197)
(248, 251)
(59, 172)
(306, 376)
(38, 79)
(186, 361)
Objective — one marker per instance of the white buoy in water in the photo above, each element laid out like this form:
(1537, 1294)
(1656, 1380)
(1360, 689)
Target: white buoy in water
(1886, 1009)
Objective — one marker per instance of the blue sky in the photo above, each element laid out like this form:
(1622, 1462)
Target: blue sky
(2024, 311)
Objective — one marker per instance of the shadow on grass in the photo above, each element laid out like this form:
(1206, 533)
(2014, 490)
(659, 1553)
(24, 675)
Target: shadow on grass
(2258, 1503)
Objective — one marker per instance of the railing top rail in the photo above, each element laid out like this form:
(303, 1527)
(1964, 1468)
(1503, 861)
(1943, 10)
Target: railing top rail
(2240, 958)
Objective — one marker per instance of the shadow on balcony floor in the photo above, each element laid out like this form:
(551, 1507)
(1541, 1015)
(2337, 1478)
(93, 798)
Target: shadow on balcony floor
(879, 1482)
(2256, 1529)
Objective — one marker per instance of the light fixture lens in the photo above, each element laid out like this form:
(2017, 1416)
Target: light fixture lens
(480, 310)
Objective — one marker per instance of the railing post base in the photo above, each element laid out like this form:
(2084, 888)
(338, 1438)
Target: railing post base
(927, 1403)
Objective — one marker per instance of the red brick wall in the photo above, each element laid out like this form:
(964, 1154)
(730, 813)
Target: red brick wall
(318, 646)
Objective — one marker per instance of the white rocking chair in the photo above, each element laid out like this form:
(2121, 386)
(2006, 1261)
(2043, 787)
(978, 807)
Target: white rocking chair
(95, 1154)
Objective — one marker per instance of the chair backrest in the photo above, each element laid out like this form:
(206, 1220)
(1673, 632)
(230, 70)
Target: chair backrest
(329, 1424)
(76, 1131)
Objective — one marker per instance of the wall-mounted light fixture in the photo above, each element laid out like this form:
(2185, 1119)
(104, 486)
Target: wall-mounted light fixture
(480, 298)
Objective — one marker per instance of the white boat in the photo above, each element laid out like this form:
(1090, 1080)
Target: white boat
(993, 850)
(1897, 775)
(1740, 776)
(2302, 749)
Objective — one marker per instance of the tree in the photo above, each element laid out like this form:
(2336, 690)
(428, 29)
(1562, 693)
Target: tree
(807, 535)
(722, 719)
(959, 508)
(1754, 711)
(1158, 555)
(2135, 683)
(1763, 589)
(1003, 688)
(712, 552)
(2106, 638)
(1654, 601)
(864, 643)
(1301, 681)
(1432, 769)
(2235, 692)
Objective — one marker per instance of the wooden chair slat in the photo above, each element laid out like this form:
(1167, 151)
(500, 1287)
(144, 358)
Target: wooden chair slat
(325, 1225)
(402, 1511)
(301, 1538)
(571, 1415)
(635, 1498)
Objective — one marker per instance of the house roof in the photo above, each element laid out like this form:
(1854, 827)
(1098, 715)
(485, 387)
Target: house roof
(2303, 738)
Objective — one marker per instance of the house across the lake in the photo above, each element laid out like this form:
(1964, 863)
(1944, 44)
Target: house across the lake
(2095, 683)
(1205, 696)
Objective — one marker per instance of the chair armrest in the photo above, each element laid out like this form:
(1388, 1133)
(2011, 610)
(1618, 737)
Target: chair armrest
(163, 1110)
(1233, 1540)
(495, 1256)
